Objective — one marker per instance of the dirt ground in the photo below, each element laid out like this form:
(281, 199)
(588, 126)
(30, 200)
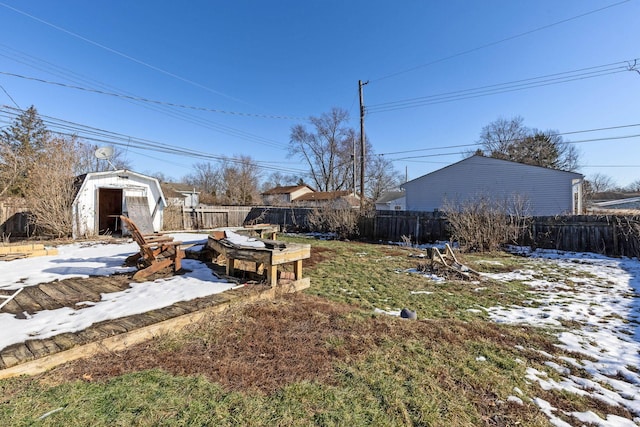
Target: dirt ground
(266, 345)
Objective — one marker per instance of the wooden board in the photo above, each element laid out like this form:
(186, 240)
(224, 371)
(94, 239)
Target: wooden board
(57, 294)
(138, 211)
(43, 299)
(26, 303)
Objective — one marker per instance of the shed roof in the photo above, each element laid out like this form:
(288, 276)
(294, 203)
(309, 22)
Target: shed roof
(82, 180)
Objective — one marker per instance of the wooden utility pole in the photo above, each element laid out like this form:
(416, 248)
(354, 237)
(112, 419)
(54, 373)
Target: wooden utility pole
(362, 145)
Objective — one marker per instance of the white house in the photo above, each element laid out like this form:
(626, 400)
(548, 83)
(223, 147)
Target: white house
(103, 196)
(547, 191)
(392, 201)
(180, 194)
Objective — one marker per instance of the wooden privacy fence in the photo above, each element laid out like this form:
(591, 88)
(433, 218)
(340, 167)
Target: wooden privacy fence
(606, 234)
(289, 219)
(420, 227)
(208, 217)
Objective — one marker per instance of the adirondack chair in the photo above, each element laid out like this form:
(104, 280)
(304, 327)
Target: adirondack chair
(157, 251)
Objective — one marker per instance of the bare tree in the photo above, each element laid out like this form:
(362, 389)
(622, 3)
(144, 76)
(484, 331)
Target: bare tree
(499, 135)
(598, 183)
(328, 150)
(634, 187)
(241, 177)
(278, 179)
(208, 179)
(50, 189)
(381, 177)
(88, 162)
(11, 167)
(511, 140)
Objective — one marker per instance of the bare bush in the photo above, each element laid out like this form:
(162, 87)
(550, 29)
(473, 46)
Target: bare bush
(172, 218)
(485, 223)
(628, 228)
(338, 218)
(50, 187)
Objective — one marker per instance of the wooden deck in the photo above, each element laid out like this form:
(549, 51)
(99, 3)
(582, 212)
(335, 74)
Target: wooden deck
(34, 356)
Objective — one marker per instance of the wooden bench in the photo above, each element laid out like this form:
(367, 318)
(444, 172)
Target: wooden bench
(157, 251)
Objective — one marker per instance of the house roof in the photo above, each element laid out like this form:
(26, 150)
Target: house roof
(286, 189)
(390, 196)
(324, 195)
(496, 162)
(176, 189)
(613, 195)
(633, 202)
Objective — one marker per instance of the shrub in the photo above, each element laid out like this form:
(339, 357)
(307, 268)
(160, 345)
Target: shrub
(338, 218)
(485, 223)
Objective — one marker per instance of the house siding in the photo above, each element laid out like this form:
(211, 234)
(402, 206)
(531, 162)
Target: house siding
(547, 191)
(399, 204)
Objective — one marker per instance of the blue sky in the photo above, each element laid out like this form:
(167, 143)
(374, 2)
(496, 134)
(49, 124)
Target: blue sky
(256, 68)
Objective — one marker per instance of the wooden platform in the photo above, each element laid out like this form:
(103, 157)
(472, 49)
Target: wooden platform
(35, 356)
(268, 258)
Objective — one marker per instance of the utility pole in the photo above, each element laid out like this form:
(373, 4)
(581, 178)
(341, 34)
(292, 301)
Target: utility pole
(362, 145)
(354, 165)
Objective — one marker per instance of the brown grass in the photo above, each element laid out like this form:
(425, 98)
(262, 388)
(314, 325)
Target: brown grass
(267, 345)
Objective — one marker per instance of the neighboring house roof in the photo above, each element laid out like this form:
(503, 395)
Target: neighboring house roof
(173, 189)
(286, 189)
(612, 195)
(626, 203)
(324, 195)
(390, 196)
(496, 162)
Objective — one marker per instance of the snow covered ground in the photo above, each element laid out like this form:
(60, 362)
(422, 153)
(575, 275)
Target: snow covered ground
(95, 259)
(601, 296)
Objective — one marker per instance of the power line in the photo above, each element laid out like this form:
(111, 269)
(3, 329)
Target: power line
(101, 136)
(152, 101)
(484, 46)
(10, 97)
(494, 89)
(46, 66)
(609, 138)
(123, 55)
(513, 140)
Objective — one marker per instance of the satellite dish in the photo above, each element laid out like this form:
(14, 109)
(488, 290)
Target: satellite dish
(105, 153)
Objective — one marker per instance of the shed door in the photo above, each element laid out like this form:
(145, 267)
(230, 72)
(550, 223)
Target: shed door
(109, 207)
(138, 211)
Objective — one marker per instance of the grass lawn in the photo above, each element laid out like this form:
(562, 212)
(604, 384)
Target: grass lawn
(322, 357)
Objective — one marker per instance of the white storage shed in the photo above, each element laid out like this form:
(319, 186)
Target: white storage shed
(103, 196)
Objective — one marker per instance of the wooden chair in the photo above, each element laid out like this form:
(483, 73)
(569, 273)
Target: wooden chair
(157, 251)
